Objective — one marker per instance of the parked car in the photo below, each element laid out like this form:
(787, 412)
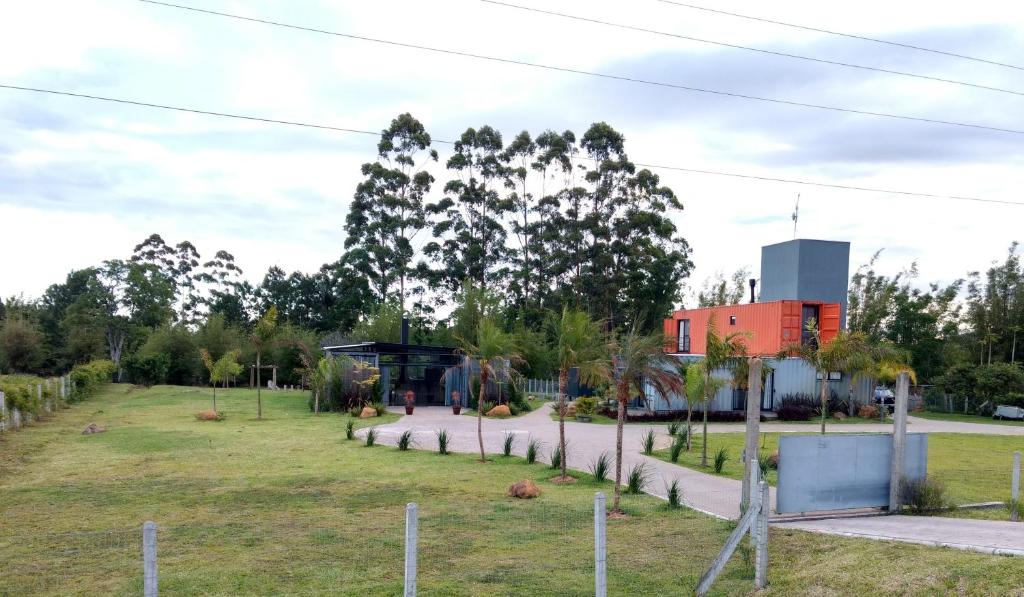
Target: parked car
(885, 398)
(1008, 412)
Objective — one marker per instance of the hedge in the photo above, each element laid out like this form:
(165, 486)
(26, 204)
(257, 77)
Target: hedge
(86, 379)
(714, 416)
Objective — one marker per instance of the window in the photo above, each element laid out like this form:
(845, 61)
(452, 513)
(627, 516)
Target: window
(684, 335)
(832, 376)
(732, 320)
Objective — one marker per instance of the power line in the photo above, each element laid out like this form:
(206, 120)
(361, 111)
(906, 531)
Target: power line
(849, 35)
(590, 73)
(447, 142)
(751, 49)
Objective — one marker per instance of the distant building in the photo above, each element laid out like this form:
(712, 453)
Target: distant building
(800, 280)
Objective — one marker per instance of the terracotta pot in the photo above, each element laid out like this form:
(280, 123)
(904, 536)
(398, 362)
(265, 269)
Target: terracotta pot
(408, 409)
(456, 409)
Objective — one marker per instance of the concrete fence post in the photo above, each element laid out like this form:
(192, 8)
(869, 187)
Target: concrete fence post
(761, 552)
(3, 412)
(754, 489)
(753, 430)
(15, 418)
(149, 577)
(899, 441)
(600, 547)
(411, 536)
(1015, 487)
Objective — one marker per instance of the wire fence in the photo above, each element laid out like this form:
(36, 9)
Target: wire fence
(983, 479)
(521, 547)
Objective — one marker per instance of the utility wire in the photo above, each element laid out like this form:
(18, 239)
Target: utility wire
(591, 73)
(750, 49)
(447, 142)
(839, 33)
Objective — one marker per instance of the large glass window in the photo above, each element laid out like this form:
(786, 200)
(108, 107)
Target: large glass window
(684, 335)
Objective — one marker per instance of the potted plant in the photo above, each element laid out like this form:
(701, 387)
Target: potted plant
(456, 402)
(585, 408)
(410, 401)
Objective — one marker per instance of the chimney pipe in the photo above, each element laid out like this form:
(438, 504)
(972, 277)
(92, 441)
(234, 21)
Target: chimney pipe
(405, 330)
(753, 283)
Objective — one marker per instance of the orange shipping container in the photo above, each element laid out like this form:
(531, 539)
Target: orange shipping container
(766, 327)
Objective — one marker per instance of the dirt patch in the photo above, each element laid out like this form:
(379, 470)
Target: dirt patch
(566, 480)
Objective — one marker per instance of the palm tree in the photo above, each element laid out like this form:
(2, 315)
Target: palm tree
(694, 388)
(262, 335)
(719, 352)
(579, 344)
(493, 346)
(846, 352)
(640, 363)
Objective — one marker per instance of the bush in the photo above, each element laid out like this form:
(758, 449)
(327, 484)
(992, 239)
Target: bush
(600, 467)
(924, 496)
(637, 479)
(507, 442)
(350, 429)
(147, 369)
(1012, 399)
(443, 440)
(532, 449)
(86, 379)
(797, 407)
(767, 462)
(721, 456)
(556, 454)
(379, 407)
(405, 440)
(678, 445)
(371, 437)
(648, 442)
(669, 416)
(586, 405)
(674, 494)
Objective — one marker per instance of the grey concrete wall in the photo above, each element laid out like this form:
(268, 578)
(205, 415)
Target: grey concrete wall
(806, 269)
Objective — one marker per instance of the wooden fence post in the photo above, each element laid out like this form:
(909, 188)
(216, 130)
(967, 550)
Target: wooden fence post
(761, 552)
(899, 441)
(149, 577)
(411, 536)
(1015, 487)
(753, 430)
(600, 544)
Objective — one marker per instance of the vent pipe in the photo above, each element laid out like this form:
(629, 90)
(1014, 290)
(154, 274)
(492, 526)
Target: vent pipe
(405, 330)
(753, 283)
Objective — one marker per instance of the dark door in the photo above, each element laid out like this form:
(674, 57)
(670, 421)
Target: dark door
(807, 313)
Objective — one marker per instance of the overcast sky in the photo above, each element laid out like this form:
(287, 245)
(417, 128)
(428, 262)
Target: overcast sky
(82, 181)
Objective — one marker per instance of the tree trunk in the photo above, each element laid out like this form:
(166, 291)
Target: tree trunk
(259, 401)
(316, 402)
(214, 397)
(689, 418)
(623, 397)
(563, 382)
(704, 443)
(480, 410)
(824, 399)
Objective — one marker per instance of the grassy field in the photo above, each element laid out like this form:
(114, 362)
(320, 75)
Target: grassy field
(974, 467)
(287, 506)
(962, 418)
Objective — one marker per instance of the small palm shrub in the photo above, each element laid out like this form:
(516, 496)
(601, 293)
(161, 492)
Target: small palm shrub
(350, 429)
(673, 428)
(637, 478)
(674, 494)
(649, 442)
(556, 454)
(380, 408)
(405, 440)
(442, 441)
(506, 445)
(600, 467)
(677, 447)
(924, 496)
(721, 457)
(371, 437)
(532, 449)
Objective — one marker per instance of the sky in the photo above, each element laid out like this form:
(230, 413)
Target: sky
(82, 181)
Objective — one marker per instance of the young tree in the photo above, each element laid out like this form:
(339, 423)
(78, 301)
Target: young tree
(579, 344)
(388, 211)
(639, 364)
(719, 352)
(221, 370)
(492, 348)
(694, 375)
(262, 335)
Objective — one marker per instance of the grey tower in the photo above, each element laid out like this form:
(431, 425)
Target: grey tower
(804, 269)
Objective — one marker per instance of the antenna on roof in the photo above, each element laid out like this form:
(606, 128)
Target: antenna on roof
(796, 214)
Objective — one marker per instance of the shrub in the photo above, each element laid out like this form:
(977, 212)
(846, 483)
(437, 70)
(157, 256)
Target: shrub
(210, 415)
(923, 496)
(678, 445)
(600, 467)
(355, 411)
(767, 462)
(86, 379)
(674, 494)
(405, 440)
(797, 407)
(442, 441)
(488, 405)
(637, 479)
(721, 456)
(714, 416)
(20, 393)
(868, 411)
(673, 428)
(532, 448)
(379, 407)
(1012, 399)
(350, 429)
(507, 443)
(556, 454)
(648, 442)
(586, 405)
(371, 437)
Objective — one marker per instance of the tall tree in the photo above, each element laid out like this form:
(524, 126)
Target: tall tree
(639, 364)
(719, 291)
(519, 158)
(580, 344)
(388, 211)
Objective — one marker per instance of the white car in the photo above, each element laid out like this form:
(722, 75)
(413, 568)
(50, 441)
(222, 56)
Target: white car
(1008, 412)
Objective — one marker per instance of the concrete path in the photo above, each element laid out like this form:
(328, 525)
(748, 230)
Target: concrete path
(713, 495)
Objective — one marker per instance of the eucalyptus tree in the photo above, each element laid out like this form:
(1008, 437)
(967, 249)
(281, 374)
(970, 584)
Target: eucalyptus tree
(388, 210)
(519, 159)
(579, 343)
(491, 348)
(641, 365)
(469, 235)
(178, 264)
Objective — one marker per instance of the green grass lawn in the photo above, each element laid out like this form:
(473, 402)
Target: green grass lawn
(974, 467)
(287, 506)
(962, 418)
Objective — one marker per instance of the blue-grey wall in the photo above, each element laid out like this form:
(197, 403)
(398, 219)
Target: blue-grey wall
(805, 269)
